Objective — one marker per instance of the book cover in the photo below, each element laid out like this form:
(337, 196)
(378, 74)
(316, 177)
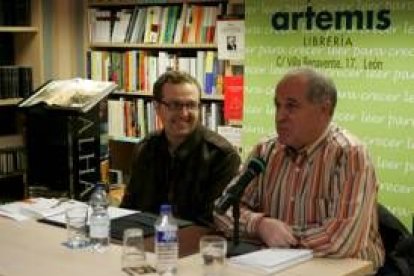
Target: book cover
(72, 94)
(153, 24)
(233, 98)
(187, 24)
(163, 24)
(230, 39)
(179, 31)
(100, 25)
(209, 73)
(120, 31)
(131, 25)
(139, 27)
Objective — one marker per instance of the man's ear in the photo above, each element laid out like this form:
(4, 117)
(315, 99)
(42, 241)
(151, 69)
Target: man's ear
(157, 107)
(326, 108)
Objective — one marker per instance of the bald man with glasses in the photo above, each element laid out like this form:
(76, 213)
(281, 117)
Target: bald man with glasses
(184, 164)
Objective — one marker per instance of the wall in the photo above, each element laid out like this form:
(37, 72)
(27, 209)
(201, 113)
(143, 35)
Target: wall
(63, 39)
(373, 70)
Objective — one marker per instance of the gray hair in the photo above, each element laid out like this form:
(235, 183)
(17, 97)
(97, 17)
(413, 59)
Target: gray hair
(320, 86)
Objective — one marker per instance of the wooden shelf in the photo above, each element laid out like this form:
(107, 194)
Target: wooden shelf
(120, 147)
(10, 101)
(18, 29)
(154, 46)
(204, 97)
(26, 46)
(125, 139)
(132, 94)
(106, 3)
(13, 174)
(11, 142)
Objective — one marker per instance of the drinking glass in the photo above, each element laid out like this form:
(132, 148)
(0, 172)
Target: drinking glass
(76, 227)
(213, 251)
(133, 253)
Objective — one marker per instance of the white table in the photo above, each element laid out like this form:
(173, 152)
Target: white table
(32, 248)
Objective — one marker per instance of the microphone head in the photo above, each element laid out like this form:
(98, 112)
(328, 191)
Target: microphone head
(233, 194)
(257, 165)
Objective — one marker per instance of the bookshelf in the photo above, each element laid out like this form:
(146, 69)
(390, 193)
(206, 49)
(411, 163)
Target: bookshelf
(133, 42)
(18, 29)
(12, 152)
(21, 68)
(24, 42)
(201, 46)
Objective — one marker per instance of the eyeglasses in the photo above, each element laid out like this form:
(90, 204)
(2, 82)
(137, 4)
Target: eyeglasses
(178, 106)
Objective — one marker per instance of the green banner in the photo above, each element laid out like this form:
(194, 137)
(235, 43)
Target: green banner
(367, 47)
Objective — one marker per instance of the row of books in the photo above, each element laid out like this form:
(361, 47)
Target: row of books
(11, 161)
(15, 13)
(15, 81)
(131, 118)
(137, 118)
(136, 71)
(211, 115)
(184, 23)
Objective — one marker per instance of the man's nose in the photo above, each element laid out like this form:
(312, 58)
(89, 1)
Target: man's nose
(281, 115)
(278, 115)
(184, 110)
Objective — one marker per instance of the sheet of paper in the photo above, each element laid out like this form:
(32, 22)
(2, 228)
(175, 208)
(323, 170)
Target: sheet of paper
(45, 207)
(35, 208)
(50, 208)
(12, 210)
(114, 212)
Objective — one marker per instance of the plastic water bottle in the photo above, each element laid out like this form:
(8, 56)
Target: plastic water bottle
(166, 242)
(99, 223)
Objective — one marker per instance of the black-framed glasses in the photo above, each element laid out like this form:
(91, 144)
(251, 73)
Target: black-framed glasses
(178, 106)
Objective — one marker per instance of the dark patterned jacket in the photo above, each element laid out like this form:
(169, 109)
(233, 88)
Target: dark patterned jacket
(190, 179)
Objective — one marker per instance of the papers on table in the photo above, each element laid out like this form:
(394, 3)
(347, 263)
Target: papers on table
(51, 208)
(35, 208)
(12, 210)
(114, 212)
(267, 261)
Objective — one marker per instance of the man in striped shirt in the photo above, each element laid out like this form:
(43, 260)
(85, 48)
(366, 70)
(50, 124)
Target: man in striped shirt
(319, 188)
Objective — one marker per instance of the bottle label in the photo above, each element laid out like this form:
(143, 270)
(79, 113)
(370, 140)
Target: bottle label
(166, 236)
(100, 230)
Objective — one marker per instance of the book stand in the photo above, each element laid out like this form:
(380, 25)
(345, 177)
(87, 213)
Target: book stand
(63, 137)
(63, 151)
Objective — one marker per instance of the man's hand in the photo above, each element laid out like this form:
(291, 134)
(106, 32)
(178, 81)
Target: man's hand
(275, 233)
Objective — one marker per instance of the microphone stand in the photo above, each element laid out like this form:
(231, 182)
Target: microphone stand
(236, 218)
(236, 247)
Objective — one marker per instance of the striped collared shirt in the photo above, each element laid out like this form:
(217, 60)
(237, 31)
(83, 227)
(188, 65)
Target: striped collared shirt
(326, 193)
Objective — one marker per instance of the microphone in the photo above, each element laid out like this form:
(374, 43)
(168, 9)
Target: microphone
(254, 168)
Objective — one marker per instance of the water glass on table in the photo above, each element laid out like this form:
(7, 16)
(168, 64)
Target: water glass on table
(76, 218)
(133, 259)
(213, 251)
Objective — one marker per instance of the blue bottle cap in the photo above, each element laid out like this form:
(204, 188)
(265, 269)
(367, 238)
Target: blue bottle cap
(99, 185)
(165, 208)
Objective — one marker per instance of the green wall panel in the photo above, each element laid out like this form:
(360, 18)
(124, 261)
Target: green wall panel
(373, 70)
